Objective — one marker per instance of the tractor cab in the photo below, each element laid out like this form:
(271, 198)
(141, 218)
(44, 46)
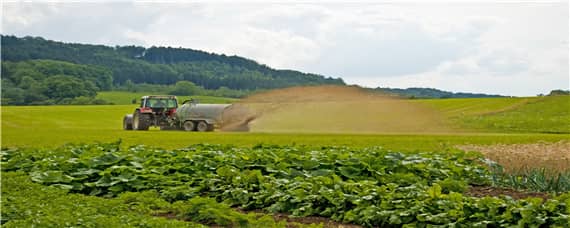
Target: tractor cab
(158, 104)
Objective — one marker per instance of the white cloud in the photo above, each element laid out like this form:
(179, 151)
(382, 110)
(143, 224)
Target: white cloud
(478, 47)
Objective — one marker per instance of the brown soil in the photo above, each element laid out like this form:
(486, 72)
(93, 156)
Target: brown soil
(482, 191)
(339, 109)
(553, 157)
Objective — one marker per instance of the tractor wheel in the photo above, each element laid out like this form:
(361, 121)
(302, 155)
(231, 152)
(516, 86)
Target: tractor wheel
(140, 121)
(189, 126)
(202, 126)
(128, 122)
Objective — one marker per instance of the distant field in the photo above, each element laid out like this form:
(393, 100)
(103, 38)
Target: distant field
(123, 98)
(51, 126)
(527, 114)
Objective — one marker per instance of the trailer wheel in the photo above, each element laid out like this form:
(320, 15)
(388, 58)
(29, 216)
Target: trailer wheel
(128, 122)
(189, 126)
(140, 121)
(210, 127)
(202, 126)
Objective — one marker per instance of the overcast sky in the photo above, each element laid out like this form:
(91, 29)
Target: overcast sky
(500, 48)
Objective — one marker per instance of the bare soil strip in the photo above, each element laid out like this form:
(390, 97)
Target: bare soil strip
(482, 191)
(553, 157)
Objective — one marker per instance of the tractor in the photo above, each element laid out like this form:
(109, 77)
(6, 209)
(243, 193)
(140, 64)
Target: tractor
(155, 110)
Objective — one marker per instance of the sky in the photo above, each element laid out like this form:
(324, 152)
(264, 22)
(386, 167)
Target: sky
(507, 48)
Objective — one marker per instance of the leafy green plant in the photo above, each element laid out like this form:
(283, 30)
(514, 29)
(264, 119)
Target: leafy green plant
(369, 186)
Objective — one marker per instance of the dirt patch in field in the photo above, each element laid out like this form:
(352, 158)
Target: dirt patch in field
(553, 157)
(482, 191)
(339, 109)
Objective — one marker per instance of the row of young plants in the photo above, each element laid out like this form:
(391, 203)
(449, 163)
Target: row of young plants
(536, 180)
(371, 187)
(28, 204)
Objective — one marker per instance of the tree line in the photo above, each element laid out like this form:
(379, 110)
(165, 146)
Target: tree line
(52, 82)
(162, 65)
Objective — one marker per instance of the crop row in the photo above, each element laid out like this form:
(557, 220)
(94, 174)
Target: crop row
(371, 187)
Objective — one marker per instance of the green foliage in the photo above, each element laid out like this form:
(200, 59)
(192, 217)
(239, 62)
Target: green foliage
(125, 98)
(61, 86)
(49, 82)
(539, 180)
(29, 204)
(208, 211)
(414, 93)
(26, 204)
(371, 187)
(161, 65)
(185, 88)
(559, 92)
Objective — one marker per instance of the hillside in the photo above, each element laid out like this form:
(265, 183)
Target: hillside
(129, 65)
(549, 114)
(431, 93)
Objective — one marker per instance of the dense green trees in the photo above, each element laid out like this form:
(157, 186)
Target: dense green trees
(430, 93)
(161, 65)
(51, 82)
(185, 88)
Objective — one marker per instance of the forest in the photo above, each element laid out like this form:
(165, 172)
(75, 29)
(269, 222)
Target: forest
(36, 70)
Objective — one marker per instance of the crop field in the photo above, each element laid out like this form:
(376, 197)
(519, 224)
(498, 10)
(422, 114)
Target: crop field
(470, 163)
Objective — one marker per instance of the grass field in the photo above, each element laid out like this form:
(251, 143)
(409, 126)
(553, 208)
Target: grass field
(52, 126)
(124, 98)
(530, 114)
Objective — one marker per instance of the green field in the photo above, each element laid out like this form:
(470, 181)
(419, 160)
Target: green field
(374, 179)
(124, 98)
(526, 114)
(52, 126)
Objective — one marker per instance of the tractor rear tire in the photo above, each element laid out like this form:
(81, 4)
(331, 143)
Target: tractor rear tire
(128, 122)
(189, 126)
(140, 121)
(202, 126)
